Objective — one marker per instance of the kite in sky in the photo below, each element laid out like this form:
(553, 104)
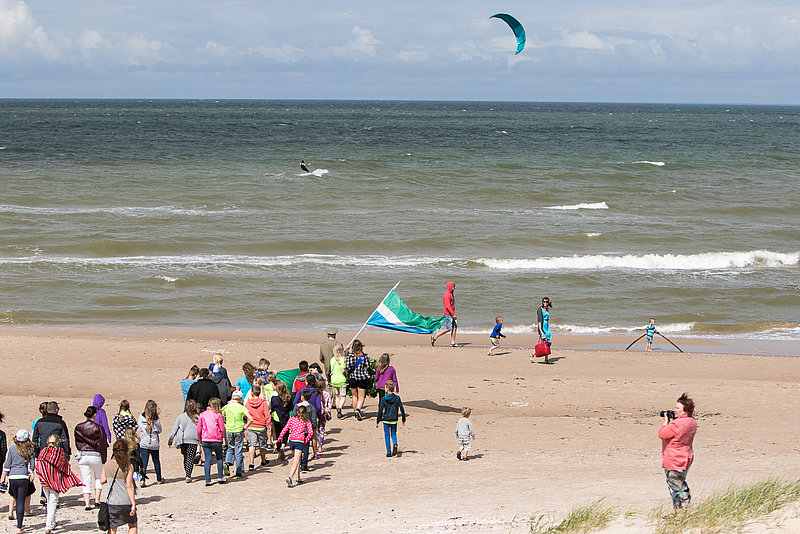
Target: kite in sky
(516, 26)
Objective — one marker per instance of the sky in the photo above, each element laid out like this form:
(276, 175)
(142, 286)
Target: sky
(726, 52)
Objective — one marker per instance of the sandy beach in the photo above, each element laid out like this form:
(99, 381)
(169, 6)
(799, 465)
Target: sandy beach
(549, 437)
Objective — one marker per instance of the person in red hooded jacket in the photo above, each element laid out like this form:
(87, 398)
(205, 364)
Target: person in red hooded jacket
(450, 325)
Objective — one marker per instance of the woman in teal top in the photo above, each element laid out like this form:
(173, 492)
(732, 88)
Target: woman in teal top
(543, 318)
(245, 383)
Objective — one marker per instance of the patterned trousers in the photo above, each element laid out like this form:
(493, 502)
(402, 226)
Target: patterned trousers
(678, 489)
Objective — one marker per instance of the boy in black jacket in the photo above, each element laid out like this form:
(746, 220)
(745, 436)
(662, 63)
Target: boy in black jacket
(388, 409)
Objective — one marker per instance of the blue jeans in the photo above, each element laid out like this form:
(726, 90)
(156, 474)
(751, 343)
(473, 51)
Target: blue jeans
(146, 455)
(208, 448)
(390, 436)
(235, 444)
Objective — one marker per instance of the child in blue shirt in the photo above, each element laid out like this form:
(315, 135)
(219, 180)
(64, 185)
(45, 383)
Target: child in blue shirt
(495, 336)
(650, 331)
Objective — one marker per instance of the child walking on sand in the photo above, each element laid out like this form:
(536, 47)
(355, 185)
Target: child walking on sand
(300, 432)
(494, 337)
(650, 331)
(465, 434)
(389, 407)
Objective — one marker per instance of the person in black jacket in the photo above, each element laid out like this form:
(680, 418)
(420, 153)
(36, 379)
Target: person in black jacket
(389, 410)
(52, 423)
(203, 390)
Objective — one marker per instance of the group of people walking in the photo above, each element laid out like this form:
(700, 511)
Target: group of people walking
(221, 422)
(44, 453)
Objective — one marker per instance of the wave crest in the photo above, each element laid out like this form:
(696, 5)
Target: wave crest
(581, 206)
(677, 262)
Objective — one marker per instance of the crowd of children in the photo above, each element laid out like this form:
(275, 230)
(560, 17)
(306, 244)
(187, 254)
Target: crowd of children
(221, 424)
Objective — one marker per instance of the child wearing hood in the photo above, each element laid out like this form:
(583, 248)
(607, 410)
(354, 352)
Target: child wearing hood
(389, 408)
(101, 418)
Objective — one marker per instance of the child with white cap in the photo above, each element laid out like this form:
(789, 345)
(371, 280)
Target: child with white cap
(18, 470)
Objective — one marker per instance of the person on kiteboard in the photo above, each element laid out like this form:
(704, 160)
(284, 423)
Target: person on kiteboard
(303, 165)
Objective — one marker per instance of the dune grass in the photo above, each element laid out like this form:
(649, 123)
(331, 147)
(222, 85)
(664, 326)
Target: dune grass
(580, 519)
(730, 508)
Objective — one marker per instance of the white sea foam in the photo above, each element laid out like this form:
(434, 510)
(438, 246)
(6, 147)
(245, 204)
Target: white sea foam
(169, 279)
(645, 162)
(582, 206)
(720, 262)
(316, 172)
(593, 234)
(222, 260)
(674, 328)
(689, 262)
(127, 211)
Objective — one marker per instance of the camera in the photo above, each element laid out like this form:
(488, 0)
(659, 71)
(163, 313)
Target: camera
(669, 413)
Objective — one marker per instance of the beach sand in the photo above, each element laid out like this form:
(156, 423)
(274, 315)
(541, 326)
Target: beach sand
(549, 437)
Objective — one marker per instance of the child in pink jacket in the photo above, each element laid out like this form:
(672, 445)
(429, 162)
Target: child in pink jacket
(300, 432)
(211, 433)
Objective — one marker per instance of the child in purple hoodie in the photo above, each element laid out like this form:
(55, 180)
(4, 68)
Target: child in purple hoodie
(101, 418)
(383, 373)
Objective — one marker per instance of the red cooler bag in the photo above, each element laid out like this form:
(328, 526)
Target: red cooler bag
(542, 349)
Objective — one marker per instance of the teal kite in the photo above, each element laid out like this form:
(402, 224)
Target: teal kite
(516, 26)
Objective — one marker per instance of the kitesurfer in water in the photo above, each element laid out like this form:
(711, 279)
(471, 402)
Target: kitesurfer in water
(303, 165)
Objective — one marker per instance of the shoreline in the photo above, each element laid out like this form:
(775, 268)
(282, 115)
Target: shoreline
(562, 341)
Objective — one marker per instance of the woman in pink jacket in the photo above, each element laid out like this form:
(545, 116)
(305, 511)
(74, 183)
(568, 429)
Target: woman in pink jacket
(676, 450)
(211, 434)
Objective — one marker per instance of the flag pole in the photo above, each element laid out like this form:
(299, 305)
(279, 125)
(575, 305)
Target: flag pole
(370, 315)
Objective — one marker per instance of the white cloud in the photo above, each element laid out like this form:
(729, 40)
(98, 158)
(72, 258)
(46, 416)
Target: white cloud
(412, 56)
(91, 41)
(584, 39)
(281, 54)
(215, 49)
(21, 37)
(137, 50)
(364, 42)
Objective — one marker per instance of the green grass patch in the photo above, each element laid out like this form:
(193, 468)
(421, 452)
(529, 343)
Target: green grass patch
(730, 508)
(580, 519)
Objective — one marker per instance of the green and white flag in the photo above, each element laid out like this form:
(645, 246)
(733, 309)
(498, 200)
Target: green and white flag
(395, 314)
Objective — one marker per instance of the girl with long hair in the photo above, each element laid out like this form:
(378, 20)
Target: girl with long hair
(18, 470)
(123, 419)
(338, 378)
(357, 372)
(149, 430)
(118, 491)
(246, 382)
(383, 373)
(280, 406)
(211, 435)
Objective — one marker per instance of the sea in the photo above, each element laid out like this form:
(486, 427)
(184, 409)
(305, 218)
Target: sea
(196, 214)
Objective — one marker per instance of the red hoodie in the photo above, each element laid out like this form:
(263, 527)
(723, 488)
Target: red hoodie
(449, 300)
(259, 411)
